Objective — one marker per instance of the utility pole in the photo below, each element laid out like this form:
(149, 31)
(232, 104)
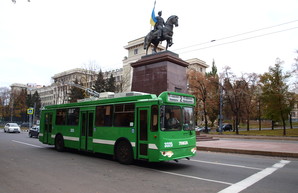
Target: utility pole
(259, 112)
(220, 107)
(11, 106)
(30, 113)
(34, 108)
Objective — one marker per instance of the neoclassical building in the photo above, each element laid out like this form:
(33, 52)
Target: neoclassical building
(58, 91)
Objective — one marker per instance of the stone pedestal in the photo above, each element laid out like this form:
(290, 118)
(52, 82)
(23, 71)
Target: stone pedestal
(163, 71)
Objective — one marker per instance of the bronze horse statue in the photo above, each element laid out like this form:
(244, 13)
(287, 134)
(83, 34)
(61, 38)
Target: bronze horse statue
(167, 33)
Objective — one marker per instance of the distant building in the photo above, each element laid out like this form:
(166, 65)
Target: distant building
(84, 77)
(197, 65)
(58, 92)
(17, 87)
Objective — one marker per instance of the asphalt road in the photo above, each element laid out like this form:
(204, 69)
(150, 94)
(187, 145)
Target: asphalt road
(27, 166)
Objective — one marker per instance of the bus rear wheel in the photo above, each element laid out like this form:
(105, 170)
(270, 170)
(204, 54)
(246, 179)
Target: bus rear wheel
(124, 153)
(59, 143)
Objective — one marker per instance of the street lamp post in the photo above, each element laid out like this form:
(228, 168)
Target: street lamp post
(220, 108)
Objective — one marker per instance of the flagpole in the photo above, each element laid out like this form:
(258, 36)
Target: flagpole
(151, 16)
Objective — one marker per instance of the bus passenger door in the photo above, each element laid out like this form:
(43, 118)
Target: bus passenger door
(87, 124)
(143, 127)
(48, 127)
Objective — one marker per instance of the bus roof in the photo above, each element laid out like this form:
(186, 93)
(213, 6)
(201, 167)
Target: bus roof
(167, 96)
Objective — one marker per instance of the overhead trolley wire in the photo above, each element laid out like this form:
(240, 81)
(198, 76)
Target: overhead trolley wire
(240, 40)
(228, 37)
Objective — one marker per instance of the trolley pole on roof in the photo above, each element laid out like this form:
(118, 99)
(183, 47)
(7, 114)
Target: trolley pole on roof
(88, 90)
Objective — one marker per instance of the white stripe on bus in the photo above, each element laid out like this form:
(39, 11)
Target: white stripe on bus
(71, 138)
(109, 142)
(152, 146)
(133, 144)
(103, 141)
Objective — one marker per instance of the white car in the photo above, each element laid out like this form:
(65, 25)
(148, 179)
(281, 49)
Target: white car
(12, 127)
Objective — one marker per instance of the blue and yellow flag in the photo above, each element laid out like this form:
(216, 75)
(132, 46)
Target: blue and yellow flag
(153, 18)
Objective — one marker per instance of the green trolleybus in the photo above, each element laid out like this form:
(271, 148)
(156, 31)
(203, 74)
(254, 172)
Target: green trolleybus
(142, 127)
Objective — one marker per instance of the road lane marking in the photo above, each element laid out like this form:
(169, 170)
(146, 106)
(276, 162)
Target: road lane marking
(223, 164)
(26, 144)
(194, 177)
(239, 186)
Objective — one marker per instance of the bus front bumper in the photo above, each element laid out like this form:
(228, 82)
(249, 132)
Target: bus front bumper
(175, 154)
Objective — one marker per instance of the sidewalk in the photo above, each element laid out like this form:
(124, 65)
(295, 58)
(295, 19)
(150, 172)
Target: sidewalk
(280, 147)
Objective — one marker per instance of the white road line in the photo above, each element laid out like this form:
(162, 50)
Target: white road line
(223, 164)
(26, 144)
(194, 177)
(239, 186)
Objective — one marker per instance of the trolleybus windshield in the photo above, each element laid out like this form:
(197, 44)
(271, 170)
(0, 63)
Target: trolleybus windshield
(176, 118)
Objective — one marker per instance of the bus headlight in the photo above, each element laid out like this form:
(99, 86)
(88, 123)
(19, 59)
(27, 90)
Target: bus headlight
(167, 153)
(193, 150)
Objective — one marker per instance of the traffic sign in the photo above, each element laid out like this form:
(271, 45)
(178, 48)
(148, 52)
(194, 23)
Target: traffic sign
(30, 111)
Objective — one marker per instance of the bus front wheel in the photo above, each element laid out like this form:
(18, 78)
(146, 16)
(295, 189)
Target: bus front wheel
(59, 143)
(124, 152)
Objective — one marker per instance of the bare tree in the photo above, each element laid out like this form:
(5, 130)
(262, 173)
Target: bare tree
(89, 74)
(291, 98)
(124, 82)
(249, 89)
(234, 95)
(198, 85)
(17, 104)
(4, 103)
(205, 88)
(295, 74)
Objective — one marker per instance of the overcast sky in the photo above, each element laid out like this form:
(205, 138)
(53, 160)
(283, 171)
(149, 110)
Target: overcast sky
(45, 37)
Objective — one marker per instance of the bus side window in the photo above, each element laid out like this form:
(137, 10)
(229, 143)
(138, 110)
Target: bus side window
(104, 116)
(124, 119)
(73, 116)
(154, 118)
(61, 117)
(124, 115)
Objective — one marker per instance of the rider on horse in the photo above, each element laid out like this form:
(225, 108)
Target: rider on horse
(159, 25)
(162, 31)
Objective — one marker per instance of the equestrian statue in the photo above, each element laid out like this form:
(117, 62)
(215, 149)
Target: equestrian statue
(162, 31)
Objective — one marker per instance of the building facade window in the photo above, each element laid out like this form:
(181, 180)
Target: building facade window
(135, 51)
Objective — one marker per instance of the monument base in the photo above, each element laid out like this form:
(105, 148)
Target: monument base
(163, 71)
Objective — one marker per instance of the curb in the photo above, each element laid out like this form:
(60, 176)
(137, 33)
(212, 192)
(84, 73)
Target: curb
(250, 152)
(253, 137)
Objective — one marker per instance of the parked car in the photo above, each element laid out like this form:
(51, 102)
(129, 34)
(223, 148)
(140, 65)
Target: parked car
(25, 124)
(202, 129)
(12, 128)
(225, 127)
(34, 131)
